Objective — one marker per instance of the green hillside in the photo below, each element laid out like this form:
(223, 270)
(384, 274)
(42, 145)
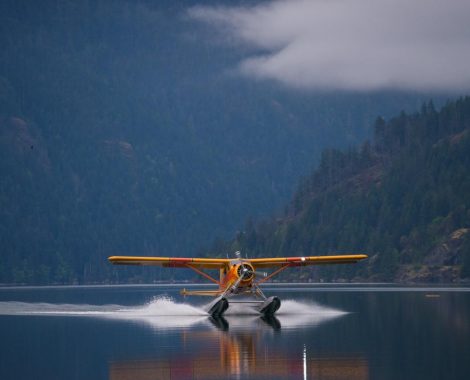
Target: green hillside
(404, 199)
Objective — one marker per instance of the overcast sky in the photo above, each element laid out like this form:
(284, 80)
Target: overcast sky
(421, 45)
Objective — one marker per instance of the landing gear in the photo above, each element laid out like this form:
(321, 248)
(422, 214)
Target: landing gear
(266, 307)
(270, 306)
(218, 307)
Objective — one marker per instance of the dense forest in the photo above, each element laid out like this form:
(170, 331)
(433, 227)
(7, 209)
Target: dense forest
(123, 130)
(404, 199)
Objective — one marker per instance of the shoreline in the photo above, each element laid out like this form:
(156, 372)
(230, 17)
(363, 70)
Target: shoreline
(333, 285)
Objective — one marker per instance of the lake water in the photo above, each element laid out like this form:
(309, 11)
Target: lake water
(151, 333)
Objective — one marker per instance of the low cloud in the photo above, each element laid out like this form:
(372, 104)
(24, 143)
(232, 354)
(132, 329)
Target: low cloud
(421, 45)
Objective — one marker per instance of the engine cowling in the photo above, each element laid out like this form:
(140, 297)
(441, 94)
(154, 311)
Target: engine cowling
(245, 271)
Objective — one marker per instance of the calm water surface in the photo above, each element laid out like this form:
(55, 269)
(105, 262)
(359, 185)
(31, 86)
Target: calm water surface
(150, 332)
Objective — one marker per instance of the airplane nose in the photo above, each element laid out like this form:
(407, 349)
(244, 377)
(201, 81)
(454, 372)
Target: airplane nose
(245, 271)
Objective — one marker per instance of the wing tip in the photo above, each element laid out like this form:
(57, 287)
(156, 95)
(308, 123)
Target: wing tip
(113, 259)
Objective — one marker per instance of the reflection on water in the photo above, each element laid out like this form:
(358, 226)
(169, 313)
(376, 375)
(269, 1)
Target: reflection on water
(320, 332)
(236, 348)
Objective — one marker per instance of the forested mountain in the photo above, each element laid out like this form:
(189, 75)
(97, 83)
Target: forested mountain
(404, 199)
(124, 130)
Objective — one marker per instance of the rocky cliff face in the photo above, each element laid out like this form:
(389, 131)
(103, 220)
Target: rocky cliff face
(442, 263)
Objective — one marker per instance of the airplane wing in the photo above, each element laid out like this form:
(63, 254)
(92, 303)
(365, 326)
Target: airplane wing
(172, 262)
(181, 262)
(307, 260)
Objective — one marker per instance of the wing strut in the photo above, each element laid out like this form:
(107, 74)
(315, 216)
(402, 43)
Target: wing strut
(273, 274)
(202, 273)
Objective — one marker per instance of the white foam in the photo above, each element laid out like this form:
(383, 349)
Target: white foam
(162, 306)
(295, 314)
(289, 307)
(164, 313)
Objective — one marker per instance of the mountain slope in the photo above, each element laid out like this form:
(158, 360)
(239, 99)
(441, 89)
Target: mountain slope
(403, 199)
(123, 131)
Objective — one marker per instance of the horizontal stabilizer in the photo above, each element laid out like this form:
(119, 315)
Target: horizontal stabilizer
(212, 293)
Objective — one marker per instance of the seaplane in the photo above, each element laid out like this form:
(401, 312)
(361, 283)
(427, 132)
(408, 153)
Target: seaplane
(239, 278)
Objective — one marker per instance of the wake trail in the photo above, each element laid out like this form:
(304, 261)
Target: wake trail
(164, 312)
(161, 306)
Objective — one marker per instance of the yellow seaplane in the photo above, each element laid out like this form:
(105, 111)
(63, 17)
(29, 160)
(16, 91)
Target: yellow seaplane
(237, 277)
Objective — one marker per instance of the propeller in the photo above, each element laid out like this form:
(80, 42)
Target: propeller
(247, 271)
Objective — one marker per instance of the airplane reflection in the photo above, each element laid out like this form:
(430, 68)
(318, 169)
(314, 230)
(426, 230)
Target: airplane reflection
(234, 351)
(222, 324)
